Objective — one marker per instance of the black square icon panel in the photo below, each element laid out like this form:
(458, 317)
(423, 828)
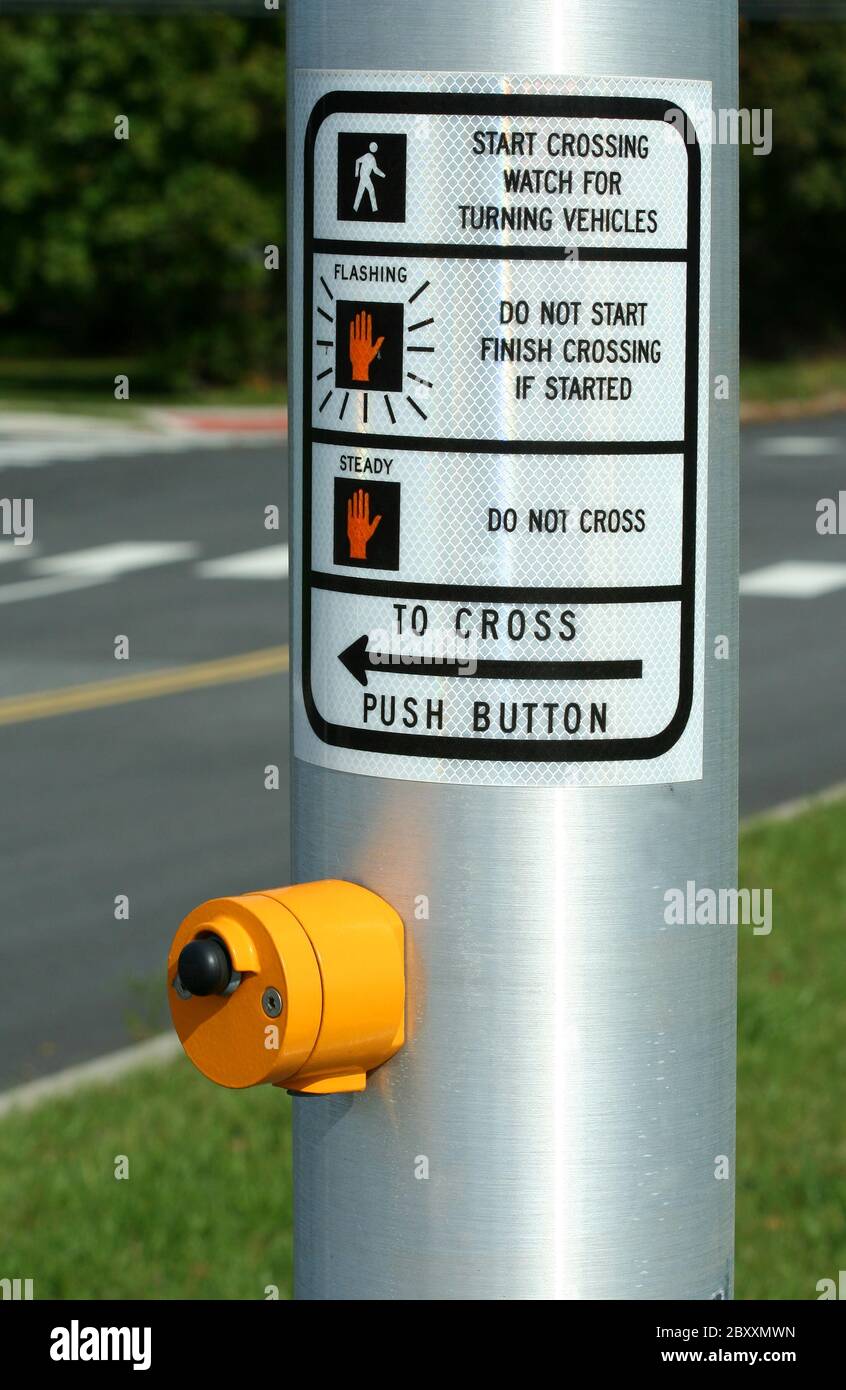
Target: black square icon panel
(366, 524)
(369, 345)
(372, 178)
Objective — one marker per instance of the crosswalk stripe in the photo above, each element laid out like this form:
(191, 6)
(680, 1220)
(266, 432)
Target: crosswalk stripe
(799, 446)
(117, 558)
(269, 562)
(47, 587)
(794, 579)
(9, 551)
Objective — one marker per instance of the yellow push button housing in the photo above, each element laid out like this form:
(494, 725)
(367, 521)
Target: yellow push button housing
(301, 987)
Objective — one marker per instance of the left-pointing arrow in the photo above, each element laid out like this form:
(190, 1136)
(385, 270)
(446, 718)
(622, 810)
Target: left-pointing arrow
(358, 659)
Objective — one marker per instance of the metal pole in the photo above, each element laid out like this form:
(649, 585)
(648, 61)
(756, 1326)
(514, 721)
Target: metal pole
(560, 1122)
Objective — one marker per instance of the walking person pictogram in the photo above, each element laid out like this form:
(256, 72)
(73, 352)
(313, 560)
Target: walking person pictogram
(363, 157)
(365, 168)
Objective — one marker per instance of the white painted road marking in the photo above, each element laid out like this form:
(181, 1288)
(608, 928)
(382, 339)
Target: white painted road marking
(104, 562)
(793, 579)
(10, 551)
(80, 569)
(99, 564)
(42, 588)
(799, 446)
(270, 562)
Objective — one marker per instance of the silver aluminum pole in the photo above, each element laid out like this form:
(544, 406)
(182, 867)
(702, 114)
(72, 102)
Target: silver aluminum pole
(560, 1122)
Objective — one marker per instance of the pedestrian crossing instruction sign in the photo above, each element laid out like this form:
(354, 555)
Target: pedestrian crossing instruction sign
(499, 426)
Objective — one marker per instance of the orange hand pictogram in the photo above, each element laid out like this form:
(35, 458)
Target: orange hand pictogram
(362, 348)
(359, 526)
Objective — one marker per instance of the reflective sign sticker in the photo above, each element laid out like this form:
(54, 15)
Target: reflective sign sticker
(499, 406)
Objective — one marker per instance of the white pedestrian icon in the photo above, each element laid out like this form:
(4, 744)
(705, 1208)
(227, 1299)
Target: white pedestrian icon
(365, 168)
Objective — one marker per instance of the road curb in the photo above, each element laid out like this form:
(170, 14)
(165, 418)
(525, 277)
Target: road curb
(236, 421)
(789, 810)
(155, 1052)
(775, 412)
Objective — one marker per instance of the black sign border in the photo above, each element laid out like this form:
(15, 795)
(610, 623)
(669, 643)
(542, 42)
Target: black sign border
(508, 750)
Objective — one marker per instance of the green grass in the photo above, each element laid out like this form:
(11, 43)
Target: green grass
(86, 386)
(206, 1211)
(791, 1151)
(802, 380)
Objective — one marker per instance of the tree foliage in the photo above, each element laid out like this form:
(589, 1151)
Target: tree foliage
(153, 243)
(793, 201)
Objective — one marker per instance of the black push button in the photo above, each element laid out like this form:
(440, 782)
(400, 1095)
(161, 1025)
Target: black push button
(205, 967)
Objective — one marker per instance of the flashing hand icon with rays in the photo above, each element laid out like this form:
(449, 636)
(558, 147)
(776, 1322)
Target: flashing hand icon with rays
(362, 347)
(360, 528)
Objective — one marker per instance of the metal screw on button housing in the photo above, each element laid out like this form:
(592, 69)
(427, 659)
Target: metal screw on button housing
(271, 1002)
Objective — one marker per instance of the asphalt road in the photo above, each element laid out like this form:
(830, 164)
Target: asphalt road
(162, 800)
(792, 612)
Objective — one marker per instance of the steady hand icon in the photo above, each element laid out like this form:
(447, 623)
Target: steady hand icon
(359, 526)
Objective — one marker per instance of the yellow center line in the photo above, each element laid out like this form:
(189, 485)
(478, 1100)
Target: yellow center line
(44, 704)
